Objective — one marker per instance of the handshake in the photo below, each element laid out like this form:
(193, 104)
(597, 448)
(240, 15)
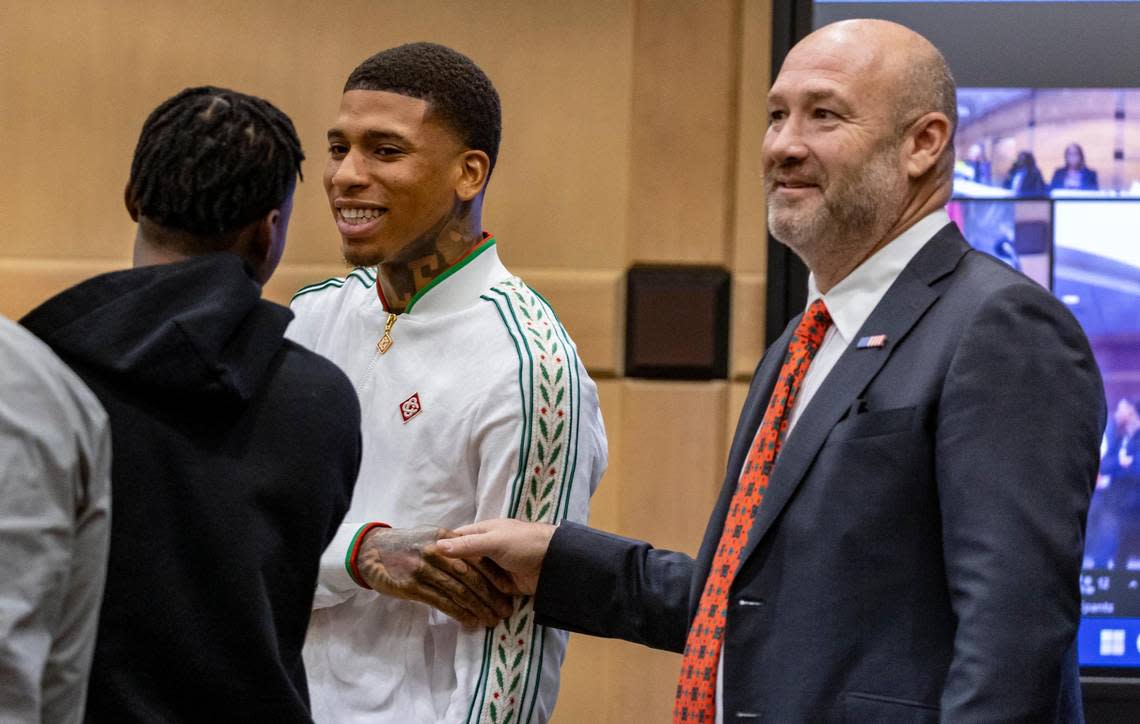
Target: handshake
(471, 574)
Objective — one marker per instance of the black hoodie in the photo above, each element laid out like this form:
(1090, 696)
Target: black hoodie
(235, 453)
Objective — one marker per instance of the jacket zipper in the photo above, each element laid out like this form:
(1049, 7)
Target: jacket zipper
(385, 342)
(382, 346)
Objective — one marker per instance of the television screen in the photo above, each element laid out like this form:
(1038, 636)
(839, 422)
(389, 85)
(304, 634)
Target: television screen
(1097, 275)
(1087, 251)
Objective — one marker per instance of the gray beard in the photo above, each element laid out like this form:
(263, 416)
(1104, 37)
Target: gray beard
(856, 212)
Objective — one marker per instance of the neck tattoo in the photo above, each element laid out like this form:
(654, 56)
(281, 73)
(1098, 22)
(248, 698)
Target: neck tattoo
(425, 259)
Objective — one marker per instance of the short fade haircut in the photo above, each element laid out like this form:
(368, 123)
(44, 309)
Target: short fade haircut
(210, 161)
(456, 90)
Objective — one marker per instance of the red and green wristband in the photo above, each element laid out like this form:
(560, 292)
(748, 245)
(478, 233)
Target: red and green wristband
(354, 549)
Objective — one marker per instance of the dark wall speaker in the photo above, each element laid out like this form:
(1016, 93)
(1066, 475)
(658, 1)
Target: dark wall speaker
(677, 322)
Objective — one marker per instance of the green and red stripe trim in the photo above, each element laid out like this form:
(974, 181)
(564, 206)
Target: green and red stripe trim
(354, 550)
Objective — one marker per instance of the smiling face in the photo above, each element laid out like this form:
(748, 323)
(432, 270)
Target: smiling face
(392, 176)
(832, 162)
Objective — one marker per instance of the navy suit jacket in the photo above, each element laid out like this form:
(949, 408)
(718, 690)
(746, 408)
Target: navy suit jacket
(916, 556)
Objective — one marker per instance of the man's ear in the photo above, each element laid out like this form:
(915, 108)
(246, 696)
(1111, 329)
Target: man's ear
(129, 204)
(259, 245)
(474, 167)
(266, 232)
(926, 142)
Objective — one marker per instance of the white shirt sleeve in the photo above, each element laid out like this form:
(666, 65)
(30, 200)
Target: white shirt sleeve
(55, 453)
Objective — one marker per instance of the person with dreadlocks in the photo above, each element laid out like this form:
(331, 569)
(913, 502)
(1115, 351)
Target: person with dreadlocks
(234, 449)
(475, 405)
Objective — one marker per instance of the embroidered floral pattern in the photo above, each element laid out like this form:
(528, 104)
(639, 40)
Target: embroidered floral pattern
(512, 641)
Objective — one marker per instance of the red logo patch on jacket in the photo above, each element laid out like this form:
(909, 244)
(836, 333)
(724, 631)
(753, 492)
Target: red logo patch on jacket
(410, 407)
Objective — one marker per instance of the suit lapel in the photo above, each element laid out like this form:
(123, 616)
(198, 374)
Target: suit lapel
(901, 307)
(763, 381)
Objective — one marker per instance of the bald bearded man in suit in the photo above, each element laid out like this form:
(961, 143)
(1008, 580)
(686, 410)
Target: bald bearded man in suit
(900, 530)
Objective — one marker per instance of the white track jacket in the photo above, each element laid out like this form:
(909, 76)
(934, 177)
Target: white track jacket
(479, 408)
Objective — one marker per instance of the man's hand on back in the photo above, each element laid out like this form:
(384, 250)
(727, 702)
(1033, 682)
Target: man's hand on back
(406, 563)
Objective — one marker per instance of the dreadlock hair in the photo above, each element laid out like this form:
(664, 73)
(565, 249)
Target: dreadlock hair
(457, 91)
(210, 161)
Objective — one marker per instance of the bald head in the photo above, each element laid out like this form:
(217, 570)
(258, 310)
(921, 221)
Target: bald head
(909, 76)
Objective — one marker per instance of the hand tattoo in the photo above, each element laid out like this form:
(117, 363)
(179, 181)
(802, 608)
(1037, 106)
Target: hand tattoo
(404, 563)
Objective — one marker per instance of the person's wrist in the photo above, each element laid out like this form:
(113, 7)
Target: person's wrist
(545, 534)
(548, 530)
(359, 541)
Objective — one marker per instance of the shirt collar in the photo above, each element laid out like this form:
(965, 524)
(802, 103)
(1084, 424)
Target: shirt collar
(851, 301)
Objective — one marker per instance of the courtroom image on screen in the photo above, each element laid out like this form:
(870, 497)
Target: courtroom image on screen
(1097, 276)
(1047, 143)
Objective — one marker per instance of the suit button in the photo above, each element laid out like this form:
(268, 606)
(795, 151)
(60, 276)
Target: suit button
(751, 602)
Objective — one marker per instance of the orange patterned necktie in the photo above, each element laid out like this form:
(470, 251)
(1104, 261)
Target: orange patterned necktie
(696, 687)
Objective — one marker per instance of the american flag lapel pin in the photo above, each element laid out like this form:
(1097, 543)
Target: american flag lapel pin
(875, 341)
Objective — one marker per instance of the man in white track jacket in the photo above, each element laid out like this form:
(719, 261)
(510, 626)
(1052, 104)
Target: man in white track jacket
(474, 403)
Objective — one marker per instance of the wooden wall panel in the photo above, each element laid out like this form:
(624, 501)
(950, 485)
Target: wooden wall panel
(683, 140)
(25, 283)
(564, 71)
(750, 230)
(588, 680)
(643, 685)
(76, 96)
(672, 465)
(672, 459)
(746, 331)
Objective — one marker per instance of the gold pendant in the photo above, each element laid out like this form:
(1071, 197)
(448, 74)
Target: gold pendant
(385, 342)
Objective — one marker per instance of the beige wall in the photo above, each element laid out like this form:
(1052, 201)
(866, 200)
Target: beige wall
(631, 133)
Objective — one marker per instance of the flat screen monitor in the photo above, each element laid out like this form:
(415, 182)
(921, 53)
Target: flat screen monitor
(1097, 274)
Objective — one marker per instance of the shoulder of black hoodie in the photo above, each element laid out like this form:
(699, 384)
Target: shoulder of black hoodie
(197, 337)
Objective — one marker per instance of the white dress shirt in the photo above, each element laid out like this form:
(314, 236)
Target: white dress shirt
(850, 303)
